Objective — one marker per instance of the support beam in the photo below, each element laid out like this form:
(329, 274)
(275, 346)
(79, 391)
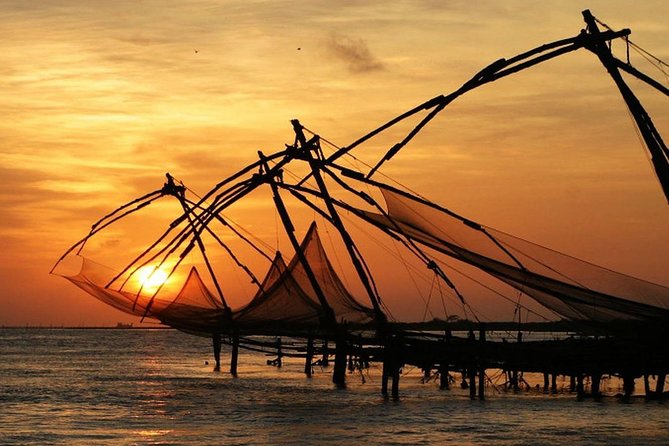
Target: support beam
(325, 359)
(385, 374)
(659, 153)
(235, 353)
(396, 381)
(659, 385)
(596, 380)
(444, 376)
(216, 341)
(339, 225)
(628, 386)
(580, 388)
(481, 362)
(339, 372)
(309, 356)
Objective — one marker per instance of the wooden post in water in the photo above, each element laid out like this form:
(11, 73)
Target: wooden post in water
(385, 373)
(444, 376)
(546, 382)
(309, 356)
(443, 366)
(235, 353)
(471, 369)
(646, 384)
(481, 360)
(325, 360)
(396, 379)
(628, 385)
(580, 389)
(216, 340)
(659, 385)
(572, 383)
(515, 382)
(554, 383)
(339, 372)
(595, 384)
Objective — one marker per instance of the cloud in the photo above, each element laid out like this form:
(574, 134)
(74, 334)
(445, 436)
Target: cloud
(354, 53)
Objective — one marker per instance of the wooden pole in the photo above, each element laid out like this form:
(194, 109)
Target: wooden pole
(646, 385)
(325, 360)
(553, 383)
(659, 385)
(396, 380)
(444, 376)
(595, 384)
(216, 340)
(628, 386)
(384, 374)
(235, 353)
(339, 372)
(659, 153)
(309, 356)
(580, 390)
(514, 374)
(481, 360)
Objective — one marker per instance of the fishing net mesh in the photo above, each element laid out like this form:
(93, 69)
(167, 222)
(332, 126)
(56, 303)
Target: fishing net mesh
(571, 287)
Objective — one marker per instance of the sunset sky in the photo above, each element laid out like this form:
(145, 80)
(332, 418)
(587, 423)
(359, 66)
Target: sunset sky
(101, 98)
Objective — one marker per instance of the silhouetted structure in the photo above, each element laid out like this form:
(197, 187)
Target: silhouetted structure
(620, 320)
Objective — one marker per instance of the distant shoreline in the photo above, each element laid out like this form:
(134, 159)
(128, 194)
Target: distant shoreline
(64, 327)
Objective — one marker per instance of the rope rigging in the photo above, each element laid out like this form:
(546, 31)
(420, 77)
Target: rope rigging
(414, 222)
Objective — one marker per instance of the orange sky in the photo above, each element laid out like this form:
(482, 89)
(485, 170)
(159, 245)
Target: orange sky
(102, 98)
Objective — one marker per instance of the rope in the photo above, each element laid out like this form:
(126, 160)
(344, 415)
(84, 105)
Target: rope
(656, 61)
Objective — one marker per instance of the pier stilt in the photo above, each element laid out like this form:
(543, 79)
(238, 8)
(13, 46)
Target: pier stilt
(515, 385)
(554, 383)
(216, 340)
(646, 384)
(580, 388)
(546, 382)
(339, 372)
(384, 376)
(628, 386)
(595, 385)
(481, 361)
(396, 381)
(309, 357)
(325, 359)
(659, 385)
(444, 377)
(515, 381)
(235, 354)
(427, 371)
(572, 383)
(472, 383)
(279, 353)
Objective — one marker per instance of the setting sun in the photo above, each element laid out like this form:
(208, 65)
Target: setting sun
(151, 278)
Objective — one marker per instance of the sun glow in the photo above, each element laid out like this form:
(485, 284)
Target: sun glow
(150, 277)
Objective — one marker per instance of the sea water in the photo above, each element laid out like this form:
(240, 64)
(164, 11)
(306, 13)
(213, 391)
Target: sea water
(158, 387)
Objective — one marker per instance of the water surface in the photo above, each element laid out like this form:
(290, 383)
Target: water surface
(157, 387)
